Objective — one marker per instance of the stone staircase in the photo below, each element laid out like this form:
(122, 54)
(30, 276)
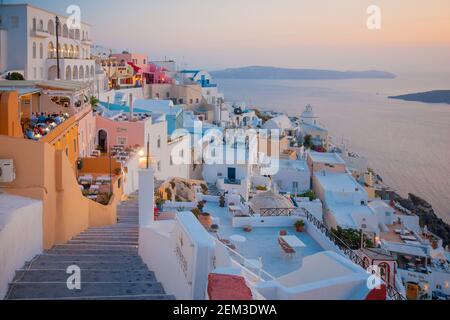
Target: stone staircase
(111, 268)
(213, 190)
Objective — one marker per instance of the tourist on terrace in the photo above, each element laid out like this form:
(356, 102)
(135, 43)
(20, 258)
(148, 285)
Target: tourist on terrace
(42, 118)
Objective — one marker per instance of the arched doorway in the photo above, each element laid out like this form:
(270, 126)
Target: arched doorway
(103, 140)
(75, 73)
(68, 73)
(52, 73)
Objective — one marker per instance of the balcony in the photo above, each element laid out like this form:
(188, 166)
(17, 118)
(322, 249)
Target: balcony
(87, 41)
(40, 33)
(236, 182)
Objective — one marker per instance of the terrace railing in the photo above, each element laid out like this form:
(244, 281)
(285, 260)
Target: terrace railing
(346, 250)
(338, 242)
(277, 212)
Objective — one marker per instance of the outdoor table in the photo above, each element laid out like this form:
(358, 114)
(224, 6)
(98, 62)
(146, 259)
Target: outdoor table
(293, 241)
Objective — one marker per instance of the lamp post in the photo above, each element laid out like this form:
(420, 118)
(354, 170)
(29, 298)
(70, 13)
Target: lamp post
(58, 75)
(110, 174)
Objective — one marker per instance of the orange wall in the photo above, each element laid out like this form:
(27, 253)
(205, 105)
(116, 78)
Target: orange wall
(99, 165)
(46, 174)
(9, 115)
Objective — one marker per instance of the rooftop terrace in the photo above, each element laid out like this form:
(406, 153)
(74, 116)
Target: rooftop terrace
(263, 243)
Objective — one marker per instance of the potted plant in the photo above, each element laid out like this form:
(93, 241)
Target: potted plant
(201, 205)
(205, 219)
(300, 226)
(222, 201)
(159, 203)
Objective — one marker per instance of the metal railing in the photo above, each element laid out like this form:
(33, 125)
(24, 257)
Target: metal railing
(338, 242)
(247, 264)
(277, 212)
(345, 249)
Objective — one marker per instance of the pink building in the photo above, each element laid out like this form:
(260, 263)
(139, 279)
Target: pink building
(120, 131)
(140, 60)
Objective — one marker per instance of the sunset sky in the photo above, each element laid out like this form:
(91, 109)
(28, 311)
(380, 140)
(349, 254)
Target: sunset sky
(214, 34)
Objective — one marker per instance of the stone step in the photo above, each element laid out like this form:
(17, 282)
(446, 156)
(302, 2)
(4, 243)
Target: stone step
(88, 258)
(107, 238)
(117, 248)
(112, 233)
(74, 252)
(86, 276)
(97, 265)
(122, 227)
(104, 242)
(58, 290)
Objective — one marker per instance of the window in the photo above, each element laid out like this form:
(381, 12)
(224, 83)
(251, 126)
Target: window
(145, 61)
(34, 50)
(41, 51)
(34, 24)
(34, 73)
(295, 186)
(171, 160)
(14, 22)
(159, 165)
(180, 101)
(196, 100)
(167, 94)
(191, 101)
(122, 141)
(159, 142)
(41, 73)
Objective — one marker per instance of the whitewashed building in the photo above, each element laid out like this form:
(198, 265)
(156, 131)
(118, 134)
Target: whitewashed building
(28, 45)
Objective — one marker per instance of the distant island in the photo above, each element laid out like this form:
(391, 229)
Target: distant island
(258, 72)
(436, 96)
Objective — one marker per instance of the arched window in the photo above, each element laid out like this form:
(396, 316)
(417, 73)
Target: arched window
(41, 51)
(41, 25)
(51, 50)
(83, 36)
(385, 270)
(77, 52)
(60, 51)
(92, 71)
(68, 73)
(75, 73)
(65, 52)
(59, 30)
(34, 50)
(72, 34)
(81, 72)
(34, 24)
(72, 52)
(51, 27)
(65, 31)
(77, 34)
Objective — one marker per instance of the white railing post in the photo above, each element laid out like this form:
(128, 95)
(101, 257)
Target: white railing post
(146, 198)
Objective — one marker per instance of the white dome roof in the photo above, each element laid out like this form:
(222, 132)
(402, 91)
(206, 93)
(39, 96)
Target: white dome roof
(269, 200)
